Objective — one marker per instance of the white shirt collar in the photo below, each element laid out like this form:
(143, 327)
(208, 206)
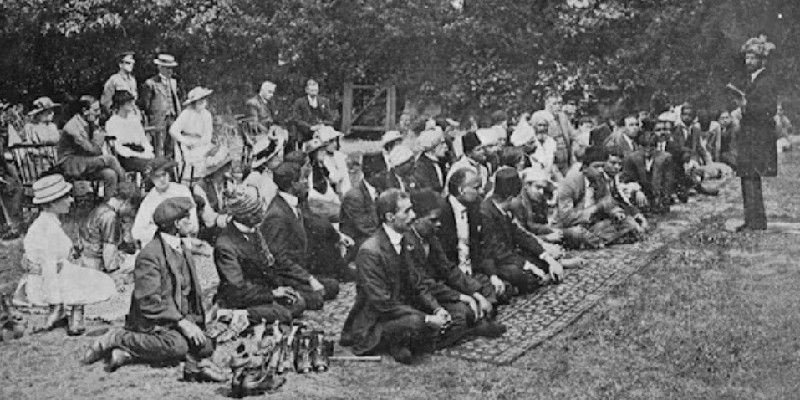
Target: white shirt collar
(291, 200)
(172, 241)
(313, 102)
(458, 208)
(755, 74)
(371, 190)
(395, 237)
(242, 228)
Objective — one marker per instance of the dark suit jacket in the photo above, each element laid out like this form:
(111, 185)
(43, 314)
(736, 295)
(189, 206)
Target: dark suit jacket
(682, 146)
(358, 216)
(156, 299)
(245, 279)
(387, 288)
(287, 240)
(757, 154)
(262, 112)
(448, 236)
(532, 215)
(304, 116)
(393, 181)
(448, 281)
(655, 184)
(425, 174)
(505, 242)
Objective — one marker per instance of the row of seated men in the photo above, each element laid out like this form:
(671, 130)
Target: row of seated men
(431, 267)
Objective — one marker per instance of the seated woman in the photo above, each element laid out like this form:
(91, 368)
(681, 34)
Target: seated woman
(245, 265)
(193, 131)
(53, 280)
(334, 160)
(41, 129)
(80, 149)
(102, 232)
(133, 149)
(323, 198)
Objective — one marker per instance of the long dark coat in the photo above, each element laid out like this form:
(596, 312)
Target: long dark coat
(757, 153)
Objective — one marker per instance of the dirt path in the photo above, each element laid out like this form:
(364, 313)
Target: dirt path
(715, 317)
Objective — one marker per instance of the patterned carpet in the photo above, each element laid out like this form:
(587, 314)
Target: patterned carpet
(530, 319)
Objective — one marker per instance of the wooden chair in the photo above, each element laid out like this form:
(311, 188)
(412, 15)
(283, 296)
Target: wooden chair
(32, 162)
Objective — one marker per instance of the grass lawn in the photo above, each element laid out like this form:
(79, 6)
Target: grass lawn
(715, 317)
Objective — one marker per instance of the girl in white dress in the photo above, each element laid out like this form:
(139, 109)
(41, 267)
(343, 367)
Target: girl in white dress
(53, 279)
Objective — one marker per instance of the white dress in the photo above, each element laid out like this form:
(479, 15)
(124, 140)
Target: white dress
(52, 276)
(198, 128)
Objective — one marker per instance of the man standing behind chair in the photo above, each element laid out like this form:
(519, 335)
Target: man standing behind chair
(310, 112)
(161, 102)
(122, 80)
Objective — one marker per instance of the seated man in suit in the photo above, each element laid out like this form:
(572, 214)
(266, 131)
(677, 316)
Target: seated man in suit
(460, 233)
(459, 293)
(587, 210)
(652, 170)
(511, 252)
(393, 310)
(683, 148)
(531, 207)
(427, 170)
(358, 217)
(283, 229)
(246, 266)
(166, 318)
(311, 112)
(623, 141)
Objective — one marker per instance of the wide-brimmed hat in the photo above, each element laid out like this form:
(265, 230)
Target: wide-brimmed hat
(312, 145)
(165, 60)
(327, 134)
(160, 164)
(430, 139)
(196, 94)
(399, 156)
(42, 104)
(50, 188)
(390, 136)
(265, 149)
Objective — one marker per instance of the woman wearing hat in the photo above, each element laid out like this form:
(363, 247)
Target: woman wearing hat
(133, 149)
(267, 155)
(53, 280)
(323, 198)
(193, 131)
(333, 159)
(41, 129)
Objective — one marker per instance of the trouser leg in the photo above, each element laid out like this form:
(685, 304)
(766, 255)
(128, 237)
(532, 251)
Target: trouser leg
(755, 216)
(523, 280)
(167, 345)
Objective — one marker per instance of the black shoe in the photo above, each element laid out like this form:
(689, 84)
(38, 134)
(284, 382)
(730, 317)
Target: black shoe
(204, 373)
(489, 329)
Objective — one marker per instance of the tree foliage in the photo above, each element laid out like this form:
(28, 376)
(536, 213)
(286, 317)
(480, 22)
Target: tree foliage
(489, 54)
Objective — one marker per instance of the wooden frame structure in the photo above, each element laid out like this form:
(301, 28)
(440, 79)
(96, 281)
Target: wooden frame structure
(350, 116)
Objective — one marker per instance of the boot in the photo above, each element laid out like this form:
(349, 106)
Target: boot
(100, 348)
(319, 352)
(202, 371)
(54, 319)
(77, 323)
(239, 363)
(304, 346)
(289, 351)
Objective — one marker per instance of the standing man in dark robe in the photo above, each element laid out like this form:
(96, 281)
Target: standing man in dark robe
(756, 144)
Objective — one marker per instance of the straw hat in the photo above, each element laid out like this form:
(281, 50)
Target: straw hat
(49, 188)
(430, 139)
(196, 94)
(165, 60)
(390, 136)
(399, 156)
(42, 104)
(327, 134)
(312, 145)
(265, 149)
